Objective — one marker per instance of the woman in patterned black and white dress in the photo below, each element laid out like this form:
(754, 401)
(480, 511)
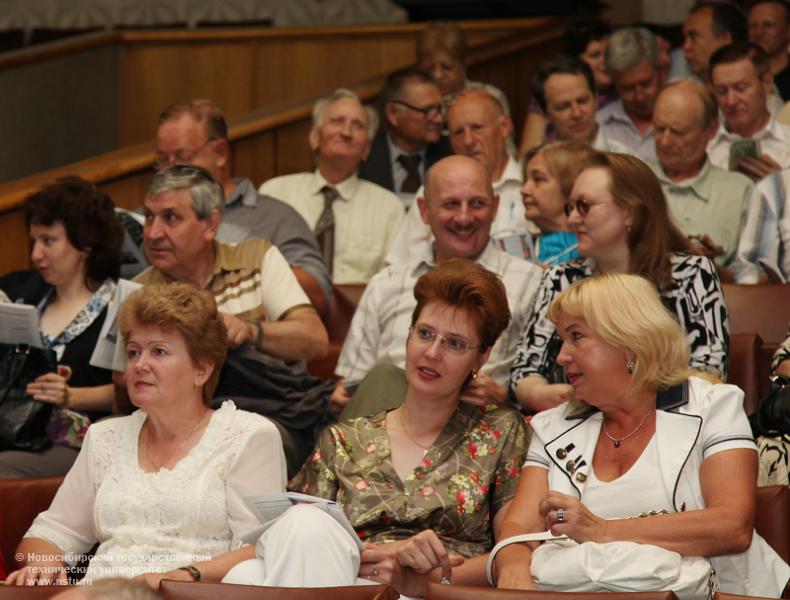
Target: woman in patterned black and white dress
(775, 450)
(622, 221)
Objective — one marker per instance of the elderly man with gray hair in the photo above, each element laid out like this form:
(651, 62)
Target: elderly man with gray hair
(354, 220)
(195, 132)
(708, 203)
(272, 327)
(633, 62)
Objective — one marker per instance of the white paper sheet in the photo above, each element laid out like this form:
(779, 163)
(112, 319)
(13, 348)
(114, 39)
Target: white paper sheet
(109, 351)
(269, 507)
(19, 325)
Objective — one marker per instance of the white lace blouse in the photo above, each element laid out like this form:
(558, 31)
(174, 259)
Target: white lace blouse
(160, 521)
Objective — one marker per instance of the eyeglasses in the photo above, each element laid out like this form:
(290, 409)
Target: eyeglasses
(426, 337)
(582, 206)
(427, 112)
(180, 158)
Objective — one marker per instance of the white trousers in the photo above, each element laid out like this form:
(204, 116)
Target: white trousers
(304, 548)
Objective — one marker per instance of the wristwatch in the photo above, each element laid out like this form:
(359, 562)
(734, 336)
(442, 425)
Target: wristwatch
(259, 329)
(192, 570)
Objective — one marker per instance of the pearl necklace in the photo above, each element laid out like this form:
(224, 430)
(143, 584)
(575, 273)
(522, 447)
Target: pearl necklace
(158, 467)
(616, 441)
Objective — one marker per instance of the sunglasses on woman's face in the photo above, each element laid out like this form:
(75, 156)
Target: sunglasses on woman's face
(582, 206)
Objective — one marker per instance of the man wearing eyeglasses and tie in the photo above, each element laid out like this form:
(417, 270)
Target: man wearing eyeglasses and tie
(411, 106)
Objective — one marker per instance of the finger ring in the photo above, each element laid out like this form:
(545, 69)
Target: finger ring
(560, 515)
(374, 571)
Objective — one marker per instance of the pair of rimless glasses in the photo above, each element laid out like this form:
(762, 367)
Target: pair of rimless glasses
(453, 344)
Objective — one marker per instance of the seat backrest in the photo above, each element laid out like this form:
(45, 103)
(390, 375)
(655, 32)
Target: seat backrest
(462, 592)
(345, 298)
(760, 309)
(745, 369)
(772, 518)
(724, 596)
(20, 502)
(183, 590)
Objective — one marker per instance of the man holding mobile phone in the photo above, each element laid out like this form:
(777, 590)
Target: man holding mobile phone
(749, 139)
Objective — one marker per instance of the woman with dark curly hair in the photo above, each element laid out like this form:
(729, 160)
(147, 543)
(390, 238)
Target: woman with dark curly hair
(75, 248)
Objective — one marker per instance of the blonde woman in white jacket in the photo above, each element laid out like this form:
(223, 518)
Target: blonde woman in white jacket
(642, 438)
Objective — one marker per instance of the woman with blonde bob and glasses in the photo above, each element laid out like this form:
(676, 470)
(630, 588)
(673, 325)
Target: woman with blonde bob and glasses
(163, 487)
(645, 452)
(623, 225)
(425, 485)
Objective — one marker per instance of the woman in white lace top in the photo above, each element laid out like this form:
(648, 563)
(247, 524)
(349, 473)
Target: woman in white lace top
(164, 487)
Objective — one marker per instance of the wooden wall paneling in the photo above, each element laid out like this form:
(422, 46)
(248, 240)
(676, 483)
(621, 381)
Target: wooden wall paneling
(308, 67)
(156, 75)
(292, 151)
(512, 71)
(128, 191)
(16, 247)
(255, 157)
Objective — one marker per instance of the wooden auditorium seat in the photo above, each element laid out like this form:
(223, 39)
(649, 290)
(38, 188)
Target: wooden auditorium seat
(724, 596)
(772, 518)
(463, 592)
(20, 502)
(183, 590)
(345, 299)
(761, 309)
(744, 368)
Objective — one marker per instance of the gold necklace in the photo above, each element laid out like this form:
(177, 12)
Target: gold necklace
(158, 467)
(616, 441)
(406, 431)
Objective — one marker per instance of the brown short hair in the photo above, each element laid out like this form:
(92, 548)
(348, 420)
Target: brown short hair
(565, 159)
(444, 36)
(738, 51)
(460, 283)
(205, 112)
(188, 311)
(654, 236)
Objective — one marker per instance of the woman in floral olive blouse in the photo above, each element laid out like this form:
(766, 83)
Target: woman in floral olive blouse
(433, 465)
(424, 485)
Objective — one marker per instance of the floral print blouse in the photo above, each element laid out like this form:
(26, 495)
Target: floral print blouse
(468, 474)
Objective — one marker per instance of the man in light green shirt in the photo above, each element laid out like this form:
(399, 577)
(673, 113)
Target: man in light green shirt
(708, 203)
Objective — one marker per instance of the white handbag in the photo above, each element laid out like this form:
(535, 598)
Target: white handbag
(560, 564)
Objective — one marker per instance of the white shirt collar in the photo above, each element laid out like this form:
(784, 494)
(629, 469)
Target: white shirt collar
(511, 172)
(772, 130)
(346, 188)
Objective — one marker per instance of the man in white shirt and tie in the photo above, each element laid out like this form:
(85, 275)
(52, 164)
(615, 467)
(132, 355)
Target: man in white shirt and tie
(354, 220)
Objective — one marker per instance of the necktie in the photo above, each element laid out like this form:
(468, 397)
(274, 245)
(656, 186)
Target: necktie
(325, 227)
(413, 180)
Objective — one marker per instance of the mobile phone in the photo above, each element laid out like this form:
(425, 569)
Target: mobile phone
(351, 385)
